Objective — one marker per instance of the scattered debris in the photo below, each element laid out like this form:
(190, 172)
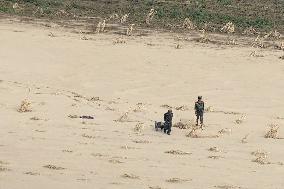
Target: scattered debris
(87, 117)
(166, 106)
(73, 116)
(53, 167)
(182, 108)
(130, 176)
(177, 152)
(115, 161)
(141, 141)
(32, 173)
(177, 180)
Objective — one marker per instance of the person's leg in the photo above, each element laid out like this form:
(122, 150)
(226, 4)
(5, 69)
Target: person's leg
(165, 127)
(201, 118)
(197, 118)
(169, 129)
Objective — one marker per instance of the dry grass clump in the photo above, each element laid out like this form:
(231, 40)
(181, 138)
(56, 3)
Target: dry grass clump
(177, 46)
(124, 18)
(130, 176)
(209, 109)
(88, 136)
(16, 6)
(240, 120)
(53, 167)
(215, 157)
(261, 157)
(4, 169)
(177, 152)
(188, 24)
(228, 28)
(25, 106)
(166, 106)
(272, 132)
(182, 108)
(139, 107)
(150, 16)
(124, 118)
(130, 29)
(115, 161)
(244, 139)
(231, 42)
(193, 134)
(101, 26)
(273, 34)
(203, 37)
(254, 54)
(184, 124)
(225, 131)
(227, 187)
(176, 180)
(51, 34)
(119, 40)
(214, 149)
(73, 116)
(258, 42)
(141, 141)
(138, 128)
(250, 31)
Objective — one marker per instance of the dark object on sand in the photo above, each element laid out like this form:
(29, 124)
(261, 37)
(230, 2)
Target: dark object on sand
(86, 117)
(159, 125)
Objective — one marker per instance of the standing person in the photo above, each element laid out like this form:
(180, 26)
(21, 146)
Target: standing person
(168, 117)
(199, 110)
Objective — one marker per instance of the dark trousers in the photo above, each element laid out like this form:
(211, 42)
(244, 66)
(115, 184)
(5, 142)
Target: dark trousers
(199, 116)
(168, 127)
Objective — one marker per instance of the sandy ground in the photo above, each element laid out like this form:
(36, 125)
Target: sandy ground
(64, 77)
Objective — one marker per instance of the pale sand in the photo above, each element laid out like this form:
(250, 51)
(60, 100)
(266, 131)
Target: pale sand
(60, 74)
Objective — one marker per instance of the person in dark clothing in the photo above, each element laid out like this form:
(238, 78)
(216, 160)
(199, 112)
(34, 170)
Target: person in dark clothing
(168, 117)
(199, 110)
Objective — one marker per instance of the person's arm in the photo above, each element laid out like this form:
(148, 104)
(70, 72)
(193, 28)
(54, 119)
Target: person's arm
(203, 106)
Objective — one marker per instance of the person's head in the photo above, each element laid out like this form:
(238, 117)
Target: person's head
(170, 111)
(199, 97)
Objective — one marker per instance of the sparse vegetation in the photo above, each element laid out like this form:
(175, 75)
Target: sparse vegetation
(160, 14)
